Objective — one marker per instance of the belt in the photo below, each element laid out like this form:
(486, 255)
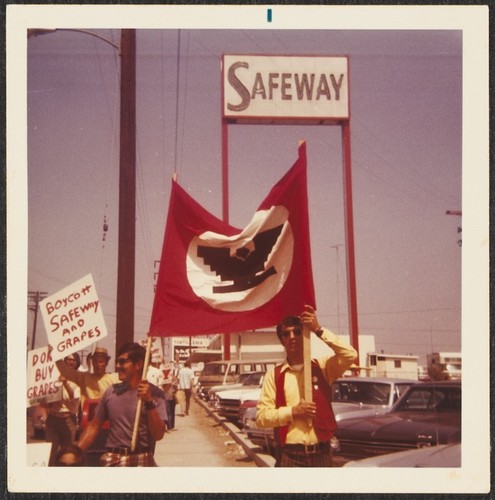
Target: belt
(127, 451)
(309, 449)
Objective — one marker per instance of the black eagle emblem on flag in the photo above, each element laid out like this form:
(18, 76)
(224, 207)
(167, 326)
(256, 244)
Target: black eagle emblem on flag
(242, 265)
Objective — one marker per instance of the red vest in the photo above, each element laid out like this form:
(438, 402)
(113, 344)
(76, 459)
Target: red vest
(324, 421)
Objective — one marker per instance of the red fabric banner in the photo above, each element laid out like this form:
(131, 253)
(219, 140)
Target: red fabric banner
(215, 278)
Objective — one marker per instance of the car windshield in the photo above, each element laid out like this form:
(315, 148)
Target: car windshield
(243, 378)
(254, 378)
(440, 399)
(214, 369)
(361, 392)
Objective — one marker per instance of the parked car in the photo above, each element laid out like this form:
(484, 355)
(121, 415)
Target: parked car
(442, 455)
(428, 414)
(229, 402)
(362, 397)
(248, 379)
(351, 397)
(226, 372)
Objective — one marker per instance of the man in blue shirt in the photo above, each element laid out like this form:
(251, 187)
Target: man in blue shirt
(118, 405)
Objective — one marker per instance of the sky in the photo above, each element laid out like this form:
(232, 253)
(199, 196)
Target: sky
(419, 144)
(406, 149)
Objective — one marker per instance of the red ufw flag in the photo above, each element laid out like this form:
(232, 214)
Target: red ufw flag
(215, 278)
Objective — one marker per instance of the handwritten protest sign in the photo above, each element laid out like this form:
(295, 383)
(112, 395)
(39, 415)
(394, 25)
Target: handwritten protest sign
(156, 348)
(73, 318)
(42, 377)
(38, 454)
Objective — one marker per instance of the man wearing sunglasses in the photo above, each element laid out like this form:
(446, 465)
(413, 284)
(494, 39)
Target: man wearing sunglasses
(119, 405)
(303, 429)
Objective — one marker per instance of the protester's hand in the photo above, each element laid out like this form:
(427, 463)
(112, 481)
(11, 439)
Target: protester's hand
(309, 319)
(143, 391)
(304, 409)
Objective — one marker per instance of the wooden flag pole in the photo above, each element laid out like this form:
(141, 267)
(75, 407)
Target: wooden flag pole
(140, 401)
(308, 385)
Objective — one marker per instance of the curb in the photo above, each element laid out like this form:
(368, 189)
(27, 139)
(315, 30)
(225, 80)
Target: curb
(252, 451)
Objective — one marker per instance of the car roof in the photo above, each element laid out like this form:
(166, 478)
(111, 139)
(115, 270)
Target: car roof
(377, 379)
(439, 383)
(243, 362)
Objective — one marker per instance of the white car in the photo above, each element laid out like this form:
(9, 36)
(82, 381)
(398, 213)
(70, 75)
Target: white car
(229, 402)
(251, 379)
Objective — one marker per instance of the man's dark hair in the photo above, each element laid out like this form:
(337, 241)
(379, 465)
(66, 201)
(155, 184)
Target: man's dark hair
(288, 321)
(135, 351)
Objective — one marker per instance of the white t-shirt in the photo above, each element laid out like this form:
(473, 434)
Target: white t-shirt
(155, 376)
(186, 375)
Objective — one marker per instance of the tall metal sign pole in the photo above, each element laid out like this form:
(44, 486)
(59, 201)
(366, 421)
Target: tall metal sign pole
(349, 235)
(127, 191)
(294, 90)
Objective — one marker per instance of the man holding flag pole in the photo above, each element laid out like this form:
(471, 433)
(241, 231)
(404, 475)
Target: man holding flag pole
(136, 413)
(303, 419)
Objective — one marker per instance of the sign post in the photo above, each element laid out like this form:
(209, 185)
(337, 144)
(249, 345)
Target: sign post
(309, 90)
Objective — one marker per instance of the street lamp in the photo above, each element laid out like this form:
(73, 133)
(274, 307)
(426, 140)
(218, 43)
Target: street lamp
(127, 179)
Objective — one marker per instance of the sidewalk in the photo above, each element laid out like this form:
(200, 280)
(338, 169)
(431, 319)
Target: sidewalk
(195, 442)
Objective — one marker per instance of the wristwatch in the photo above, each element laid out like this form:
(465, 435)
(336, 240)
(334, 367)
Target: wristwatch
(319, 332)
(149, 405)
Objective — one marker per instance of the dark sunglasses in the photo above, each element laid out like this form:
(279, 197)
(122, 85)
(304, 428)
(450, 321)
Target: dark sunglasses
(296, 332)
(122, 361)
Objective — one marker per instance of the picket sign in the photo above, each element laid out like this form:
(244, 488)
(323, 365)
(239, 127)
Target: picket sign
(73, 318)
(42, 378)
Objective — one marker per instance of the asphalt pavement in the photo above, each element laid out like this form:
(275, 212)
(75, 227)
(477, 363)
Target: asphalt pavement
(203, 439)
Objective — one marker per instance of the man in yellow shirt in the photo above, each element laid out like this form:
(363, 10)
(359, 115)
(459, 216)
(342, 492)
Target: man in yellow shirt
(303, 429)
(92, 385)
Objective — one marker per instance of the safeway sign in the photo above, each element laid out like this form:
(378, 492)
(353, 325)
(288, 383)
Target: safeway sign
(285, 88)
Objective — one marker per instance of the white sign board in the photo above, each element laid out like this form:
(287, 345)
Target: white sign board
(156, 349)
(42, 377)
(38, 454)
(285, 88)
(73, 318)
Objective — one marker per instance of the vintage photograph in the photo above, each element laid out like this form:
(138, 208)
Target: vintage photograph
(248, 237)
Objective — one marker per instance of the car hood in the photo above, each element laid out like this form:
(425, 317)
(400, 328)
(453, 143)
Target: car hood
(444, 455)
(225, 387)
(402, 427)
(236, 393)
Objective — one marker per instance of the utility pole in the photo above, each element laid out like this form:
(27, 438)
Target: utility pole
(127, 180)
(127, 191)
(36, 297)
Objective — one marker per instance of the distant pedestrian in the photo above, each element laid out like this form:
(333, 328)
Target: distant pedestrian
(170, 390)
(186, 383)
(303, 429)
(119, 405)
